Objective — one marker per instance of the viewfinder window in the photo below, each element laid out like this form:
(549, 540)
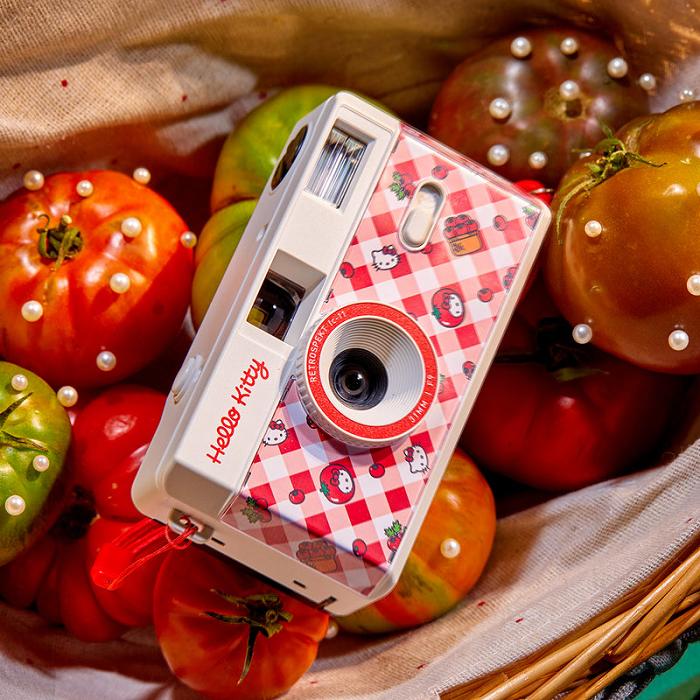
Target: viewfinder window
(275, 305)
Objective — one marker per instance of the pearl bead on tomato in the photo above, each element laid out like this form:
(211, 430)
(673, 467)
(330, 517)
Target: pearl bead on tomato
(15, 505)
(142, 176)
(582, 333)
(537, 160)
(593, 228)
(106, 361)
(647, 82)
(33, 180)
(678, 340)
(84, 188)
(498, 154)
(19, 382)
(188, 239)
(617, 68)
(41, 463)
(500, 108)
(450, 548)
(570, 90)
(569, 46)
(521, 47)
(67, 396)
(131, 227)
(32, 310)
(693, 285)
(119, 282)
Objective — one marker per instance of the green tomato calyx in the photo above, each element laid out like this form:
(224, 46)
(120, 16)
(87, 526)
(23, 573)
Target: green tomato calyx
(613, 156)
(264, 615)
(61, 242)
(15, 441)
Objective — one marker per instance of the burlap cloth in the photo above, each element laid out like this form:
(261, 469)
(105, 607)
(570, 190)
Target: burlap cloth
(132, 82)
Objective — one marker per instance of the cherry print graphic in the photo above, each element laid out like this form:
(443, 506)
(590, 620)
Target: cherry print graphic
(448, 307)
(359, 547)
(347, 270)
(337, 484)
(296, 496)
(439, 172)
(485, 294)
(500, 223)
(377, 470)
(468, 368)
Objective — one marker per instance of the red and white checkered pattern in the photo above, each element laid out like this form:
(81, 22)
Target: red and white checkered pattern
(288, 494)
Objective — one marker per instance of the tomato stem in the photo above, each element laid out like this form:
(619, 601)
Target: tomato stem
(264, 615)
(613, 157)
(61, 242)
(10, 440)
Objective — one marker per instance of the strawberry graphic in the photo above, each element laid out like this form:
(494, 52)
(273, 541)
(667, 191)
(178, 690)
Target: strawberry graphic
(532, 216)
(448, 307)
(337, 484)
(394, 533)
(256, 510)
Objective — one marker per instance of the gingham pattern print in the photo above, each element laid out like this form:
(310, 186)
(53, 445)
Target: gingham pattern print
(307, 495)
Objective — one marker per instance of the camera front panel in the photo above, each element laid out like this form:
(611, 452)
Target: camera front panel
(341, 509)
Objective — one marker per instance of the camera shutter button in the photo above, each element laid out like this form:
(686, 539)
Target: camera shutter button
(421, 217)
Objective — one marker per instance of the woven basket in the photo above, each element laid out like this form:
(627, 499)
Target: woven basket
(626, 635)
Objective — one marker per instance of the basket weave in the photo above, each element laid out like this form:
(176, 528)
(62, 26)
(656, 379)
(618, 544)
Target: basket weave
(582, 665)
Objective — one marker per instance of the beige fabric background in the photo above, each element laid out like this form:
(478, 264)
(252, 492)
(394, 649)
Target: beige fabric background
(126, 83)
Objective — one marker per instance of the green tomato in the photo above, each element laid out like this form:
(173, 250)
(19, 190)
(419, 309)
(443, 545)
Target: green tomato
(33, 424)
(251, 150)
(215, 247)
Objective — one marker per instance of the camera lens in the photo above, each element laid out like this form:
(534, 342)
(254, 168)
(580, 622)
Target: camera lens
(358, 378)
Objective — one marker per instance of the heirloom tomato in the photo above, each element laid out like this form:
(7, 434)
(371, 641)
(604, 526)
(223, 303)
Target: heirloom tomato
(624, 258)
(216, 245)
(447, 558)
(556, 415)
(94, 279)
(227, 634)
(34, 437)
(111, 435)
(253, 147)
(536, 99)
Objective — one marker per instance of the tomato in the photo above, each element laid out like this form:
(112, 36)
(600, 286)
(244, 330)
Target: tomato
(447, 558)
(208, 652)
(535, 117)
(111, 435)
(558, 416)
(253, 147)
(34, 437)
(216, 245)
(626, 256)
(67, 270)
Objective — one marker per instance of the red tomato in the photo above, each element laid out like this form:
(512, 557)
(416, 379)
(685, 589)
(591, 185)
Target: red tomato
(558, 416)
(208, 653)
(110, 437)
(77, 313)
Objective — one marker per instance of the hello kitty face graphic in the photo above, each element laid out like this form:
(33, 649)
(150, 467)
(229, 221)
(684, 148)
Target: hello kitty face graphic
(385, 259)
(337, 484)
(416, 458)
(448, 307)
(275, 434)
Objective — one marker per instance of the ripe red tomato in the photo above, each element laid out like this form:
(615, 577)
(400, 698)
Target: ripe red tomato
(78, 330)
(534, 117)
(110, 437)
(626, 256)
(208, 652)
(447, 558)
(558, 416)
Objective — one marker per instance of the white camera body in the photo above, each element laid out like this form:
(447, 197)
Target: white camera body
(325, 391)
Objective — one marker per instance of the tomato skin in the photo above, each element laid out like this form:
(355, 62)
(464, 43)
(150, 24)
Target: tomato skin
(431, 584)
(217, 243)
(111, 435)
(41, 419)
(539, 120)
(207, 654)
(82, 316)
(564, 435)
(251, 150)
(640, 264)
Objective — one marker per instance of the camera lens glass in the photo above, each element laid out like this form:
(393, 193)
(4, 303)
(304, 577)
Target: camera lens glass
(358, 378)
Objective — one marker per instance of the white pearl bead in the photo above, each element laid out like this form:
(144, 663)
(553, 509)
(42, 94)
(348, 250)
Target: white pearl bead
(678, 340)
(142, 175)
(569, 46)
(570, 90)
(521, 47)
(19, 382)
(617, 67)
(188, 239)
(593, 228)
(450, 548)
(131, 227)
(15, 505)
(32, 310)
(332, 630)
(84, 188)
(582, 333)
(33, 180)
(693, 285)
(67, 396)
(686, 95)
(500, 108)
(106, 361)
(119, 282)
(41, 463)
(498, 154)
(647, 82)
(537, 160)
